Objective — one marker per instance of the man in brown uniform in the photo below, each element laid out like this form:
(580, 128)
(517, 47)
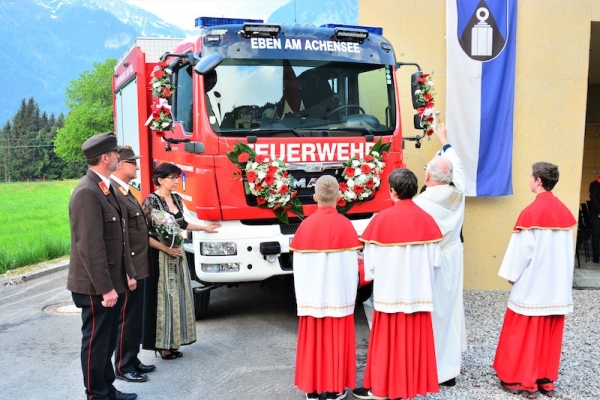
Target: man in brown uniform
(129, 337)
(97, 271)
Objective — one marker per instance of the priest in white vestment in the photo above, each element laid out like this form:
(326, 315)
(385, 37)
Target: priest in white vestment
(539, 264)
(444, 200)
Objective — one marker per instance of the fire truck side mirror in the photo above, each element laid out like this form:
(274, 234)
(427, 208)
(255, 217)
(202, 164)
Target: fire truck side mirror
(208, 63)
(418, 123)
(413, 87)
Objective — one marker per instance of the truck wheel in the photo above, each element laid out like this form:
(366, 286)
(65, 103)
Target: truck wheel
(201, 300)
(364, 293)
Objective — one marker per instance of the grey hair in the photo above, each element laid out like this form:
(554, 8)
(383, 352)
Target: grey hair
(440, 169)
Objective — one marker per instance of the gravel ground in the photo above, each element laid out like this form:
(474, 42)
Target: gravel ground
(579, 375)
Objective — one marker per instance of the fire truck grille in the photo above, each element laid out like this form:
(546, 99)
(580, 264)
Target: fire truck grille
(288, 229)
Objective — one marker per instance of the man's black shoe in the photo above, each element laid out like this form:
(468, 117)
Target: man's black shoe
(132, 376)
(144, 369)
(449, 382)
(123, 396)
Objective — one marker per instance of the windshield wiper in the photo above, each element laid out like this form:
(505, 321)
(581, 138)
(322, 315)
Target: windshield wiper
(270, 132)
(364, 130)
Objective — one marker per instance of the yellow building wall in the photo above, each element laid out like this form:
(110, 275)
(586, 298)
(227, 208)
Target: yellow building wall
(553, 38)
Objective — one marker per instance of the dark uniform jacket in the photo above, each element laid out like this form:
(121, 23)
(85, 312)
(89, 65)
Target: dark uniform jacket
(137, 231)
(97, 240)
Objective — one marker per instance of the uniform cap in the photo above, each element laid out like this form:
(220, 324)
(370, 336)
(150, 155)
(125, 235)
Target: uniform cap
(126, 153)
(99, 144)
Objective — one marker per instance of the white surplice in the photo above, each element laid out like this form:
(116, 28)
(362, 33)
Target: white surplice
(446, 204)
(402, 276)
(326, 283)
(540, 263)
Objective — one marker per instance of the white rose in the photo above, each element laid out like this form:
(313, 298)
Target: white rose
(355, 163)
(375, 154)
(350, 183)
(360, 180)
(351, 195)
(261, 175)
(418, 91)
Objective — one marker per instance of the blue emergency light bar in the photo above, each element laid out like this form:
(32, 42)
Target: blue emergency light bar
(202, 22)
(371, 29)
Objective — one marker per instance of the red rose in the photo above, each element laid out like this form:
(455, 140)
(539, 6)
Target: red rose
(429, 132)
(284, 189)
(156, 116)
(369, 158)
(424, 75)
(260, 159)
(243, 157)
(343, 186)
(430, 104)
(420, 110)
(421, 79)
(293, 195)
(365, 168)
(370, 184)
(384, 155)
(285, 174)
(429, 119)
(269, 180)
(358, 189)
(272, 191)
(272, 170)
(341, 202)
(159, 73)
(166, 92)
(349, 171)
(277, 206)
(251, 177)
(427, 96)
(287, 207)
(258, 188)
(260, 200)
(166, 111)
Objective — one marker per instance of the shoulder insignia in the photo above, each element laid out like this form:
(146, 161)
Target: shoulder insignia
(122, 190)
(104, 188)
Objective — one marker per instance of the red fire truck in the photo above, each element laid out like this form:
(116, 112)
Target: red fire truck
(312, 97)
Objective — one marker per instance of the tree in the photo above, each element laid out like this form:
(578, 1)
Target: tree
(90, 101)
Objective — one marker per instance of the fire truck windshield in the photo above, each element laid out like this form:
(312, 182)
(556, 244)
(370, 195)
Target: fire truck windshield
(295, 97)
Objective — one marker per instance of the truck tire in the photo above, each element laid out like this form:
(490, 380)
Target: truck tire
(364, 293)
(201, 301)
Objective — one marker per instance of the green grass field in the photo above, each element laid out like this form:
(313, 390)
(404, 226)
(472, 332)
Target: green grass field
(34, 222)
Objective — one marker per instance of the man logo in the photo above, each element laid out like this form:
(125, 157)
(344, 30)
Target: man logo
(301, 183)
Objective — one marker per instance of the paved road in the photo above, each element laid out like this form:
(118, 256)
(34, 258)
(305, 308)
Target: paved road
(245, 348)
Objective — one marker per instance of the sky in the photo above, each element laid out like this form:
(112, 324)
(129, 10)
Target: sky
(183, 13)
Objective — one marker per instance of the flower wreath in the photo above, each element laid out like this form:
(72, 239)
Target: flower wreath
(269, 182)
(424, 93)
(160, 119)
(362, 177)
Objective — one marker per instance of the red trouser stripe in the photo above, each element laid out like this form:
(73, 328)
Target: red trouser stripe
(90, 345)
(123, 314)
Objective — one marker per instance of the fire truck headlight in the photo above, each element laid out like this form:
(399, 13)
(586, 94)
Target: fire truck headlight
(225, 267)
(218, 249)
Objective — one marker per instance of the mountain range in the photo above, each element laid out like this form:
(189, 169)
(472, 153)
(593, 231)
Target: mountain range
(46, 44)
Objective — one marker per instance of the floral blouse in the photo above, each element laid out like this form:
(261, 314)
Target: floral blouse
(156, 202)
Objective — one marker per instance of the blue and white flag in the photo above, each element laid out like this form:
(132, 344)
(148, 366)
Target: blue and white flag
(481, 47)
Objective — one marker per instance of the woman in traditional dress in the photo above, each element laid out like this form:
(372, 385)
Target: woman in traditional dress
(170, 292)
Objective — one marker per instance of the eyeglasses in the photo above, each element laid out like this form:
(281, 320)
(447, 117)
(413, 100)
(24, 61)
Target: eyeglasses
(130, 162)
(174, 178)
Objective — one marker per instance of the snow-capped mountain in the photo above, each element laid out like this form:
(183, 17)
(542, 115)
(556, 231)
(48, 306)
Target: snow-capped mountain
(46, 44)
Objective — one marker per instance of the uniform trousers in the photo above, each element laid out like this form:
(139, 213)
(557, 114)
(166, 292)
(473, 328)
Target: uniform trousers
(99, 335)
(129, 332)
